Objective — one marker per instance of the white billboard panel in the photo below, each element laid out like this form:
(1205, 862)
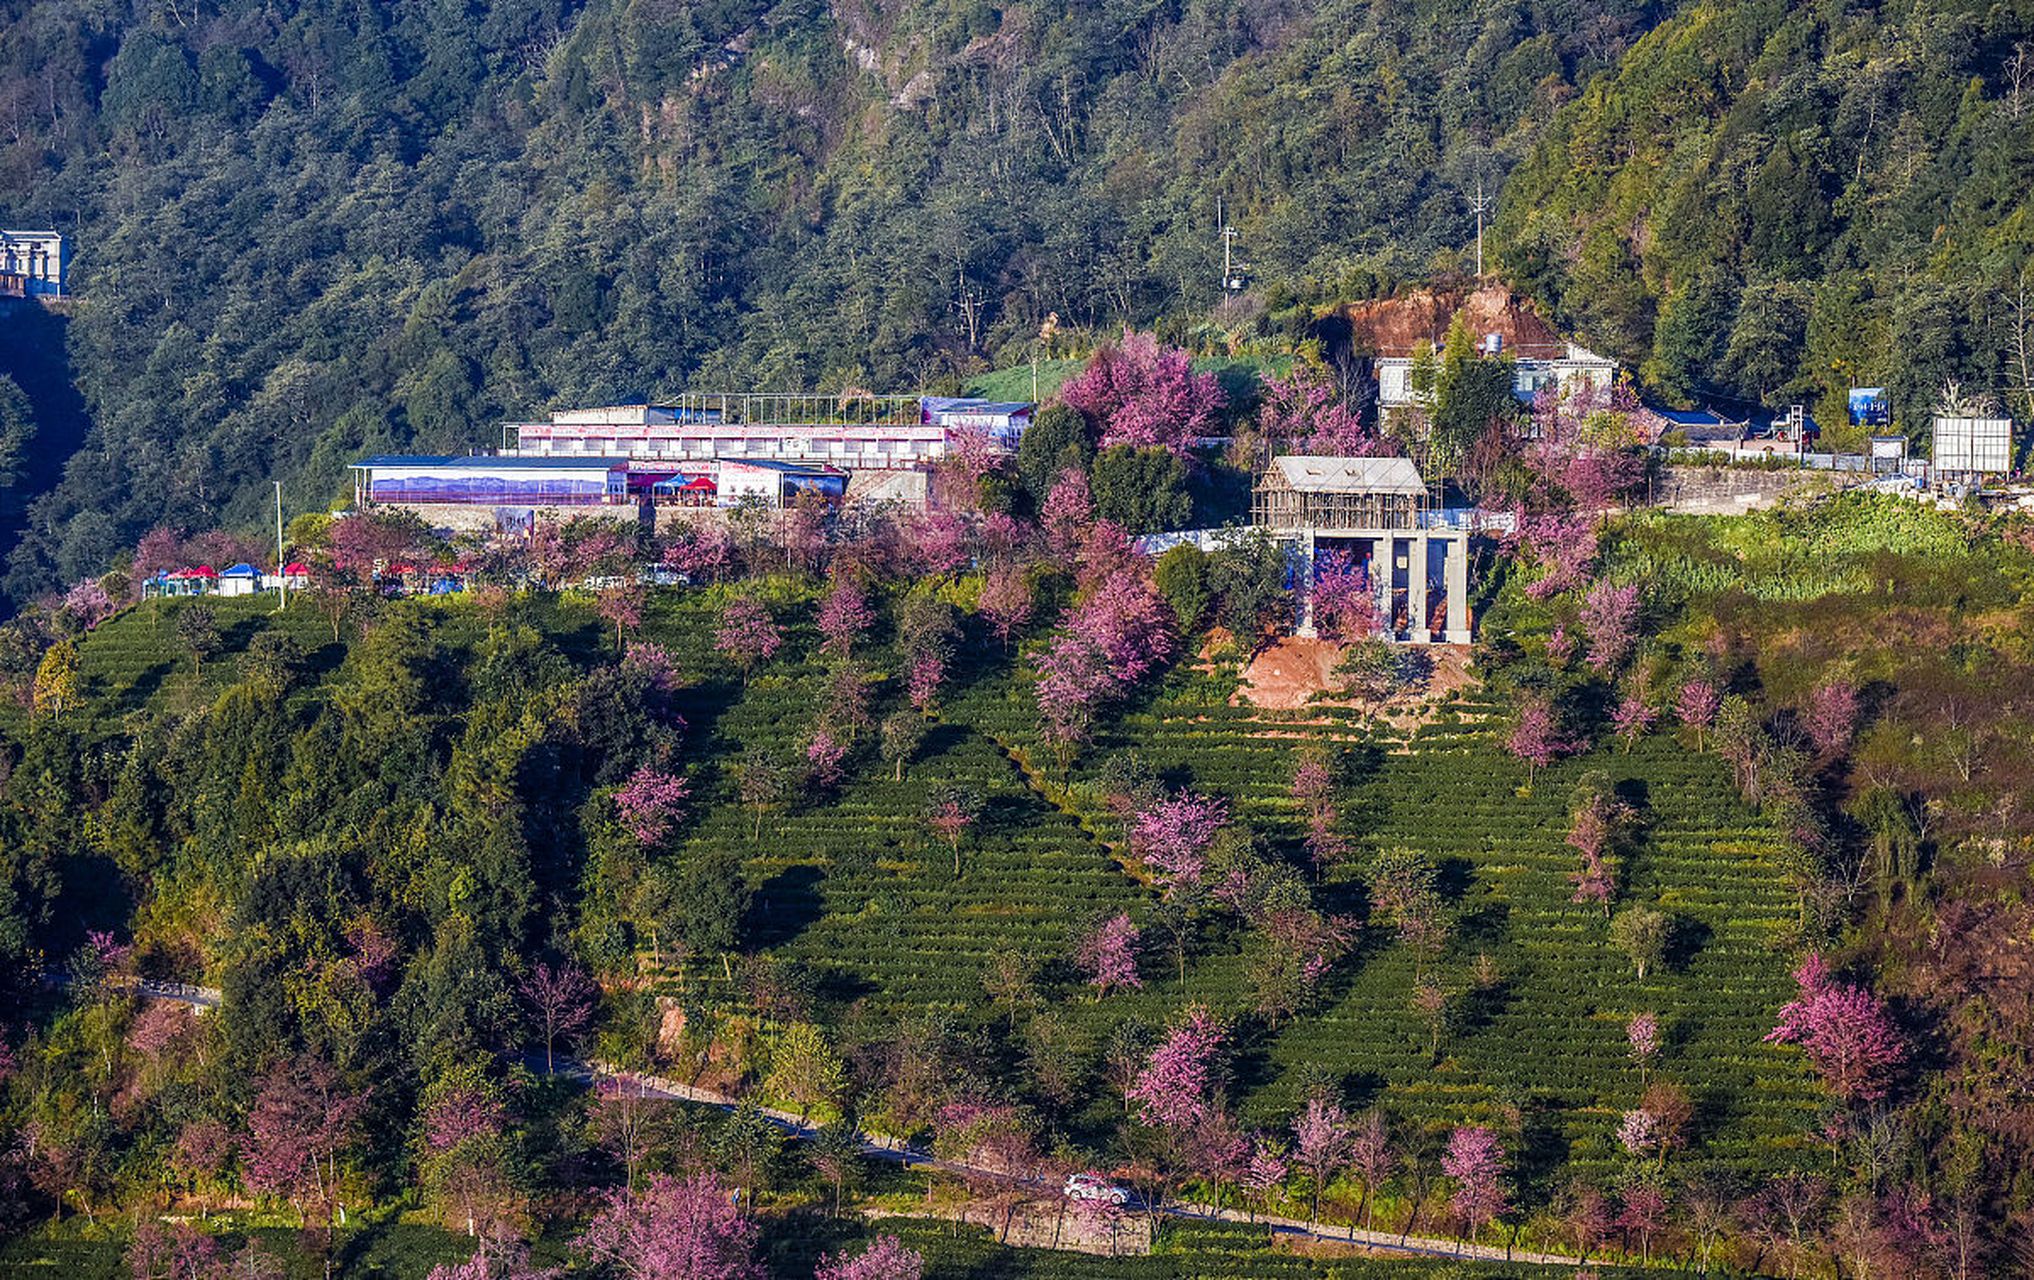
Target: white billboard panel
(1974, 444)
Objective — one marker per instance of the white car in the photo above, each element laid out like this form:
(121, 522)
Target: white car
(1087, 1186)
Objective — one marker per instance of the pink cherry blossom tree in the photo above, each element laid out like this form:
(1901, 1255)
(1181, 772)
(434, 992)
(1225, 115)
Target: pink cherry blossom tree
(1177, 1087)
(675, 1229)
(1307, 411)
(1610, 617)
(1642, 1033)
(1140, 393)
(621, 606)
(1345, 606)
(1536, 736)
(562, 999)
(1845, 1030)
(1697, 707)
(885, 1259)
(1115, 637)
(1831, 719)
(303, 1117)
(824, 757)
(1006, 600)
(748, 634)
(1475, 1160)
(1374, 1157)
(1313, 788)
(651, 804)
(1265, 1170)
(1108, 954)
(1633, 718)
(1321, 1144)
(844, 617)
(1172, 835)
(1067, 512)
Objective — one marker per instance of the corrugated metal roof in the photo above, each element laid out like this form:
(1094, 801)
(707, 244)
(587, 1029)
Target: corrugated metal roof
(1351, 475)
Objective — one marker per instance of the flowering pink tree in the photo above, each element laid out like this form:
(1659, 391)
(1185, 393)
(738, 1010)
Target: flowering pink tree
(1639, 1133)
(1565, 545)
(1846, 1032)
(1113, 639)
(1067, 512)
(1141, 394)
(748, 634)
(498, 1257)
(824, 757)
(1345, 607)
(87, 604)
(1172, 836)
(621, 606)
(182, 1252)
(923, 675)
(1831, 719)
(1265, 1170)
(1593, 834)
(950, 812)
(1306, 410)
(1373, 1157)
(1610, 616)
(563, 1001)
(1321, 1141)
(651, 803)
(1177, 1087)
(1006, 600)
(885, 1259)
(702, 552)
(844, 616)
(1313, 787)
(302, 1118)
(1536, 737)
(1475, 1160)
(675, 1229)
(1644, 1215)
(653, 665)
(1633, 718)
(1108, 954)
(1697, 707)
(1642, 1033)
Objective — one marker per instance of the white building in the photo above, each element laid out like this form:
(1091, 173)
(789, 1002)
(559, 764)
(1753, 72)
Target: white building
(858, 433)
(1533, 372)
(32, 264)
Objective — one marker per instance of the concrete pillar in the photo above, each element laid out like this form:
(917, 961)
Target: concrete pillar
(1303, 583)
(1458, 589)
(1383, 563)
(1416, 589)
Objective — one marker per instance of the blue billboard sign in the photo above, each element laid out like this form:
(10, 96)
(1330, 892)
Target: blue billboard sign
(1869, 407)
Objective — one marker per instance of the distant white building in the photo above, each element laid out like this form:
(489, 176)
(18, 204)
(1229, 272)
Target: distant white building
(1534, 370)
(856, 433)
(32, 264)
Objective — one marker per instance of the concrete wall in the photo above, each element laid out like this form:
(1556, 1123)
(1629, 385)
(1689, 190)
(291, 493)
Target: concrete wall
(463, 517)
(1716, 491)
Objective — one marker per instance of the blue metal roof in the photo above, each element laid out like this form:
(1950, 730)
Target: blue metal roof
(241, 570)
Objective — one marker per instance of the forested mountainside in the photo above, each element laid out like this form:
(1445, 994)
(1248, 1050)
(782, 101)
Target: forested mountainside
(1785, 200)
(304, 229)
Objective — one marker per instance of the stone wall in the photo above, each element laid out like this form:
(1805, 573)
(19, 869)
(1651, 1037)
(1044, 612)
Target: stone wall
(472, 517)
(1718, 491)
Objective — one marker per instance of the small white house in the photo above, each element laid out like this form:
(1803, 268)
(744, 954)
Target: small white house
(1531, 374)
(242, 579)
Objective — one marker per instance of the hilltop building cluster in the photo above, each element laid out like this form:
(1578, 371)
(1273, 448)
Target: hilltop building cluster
(699, 451)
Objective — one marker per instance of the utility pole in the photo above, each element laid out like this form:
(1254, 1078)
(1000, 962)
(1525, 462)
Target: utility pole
(282, 579)
(1479, 206)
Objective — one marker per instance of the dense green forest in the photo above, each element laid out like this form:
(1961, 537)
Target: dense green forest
(302, 230)
(1775, 201)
